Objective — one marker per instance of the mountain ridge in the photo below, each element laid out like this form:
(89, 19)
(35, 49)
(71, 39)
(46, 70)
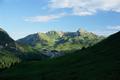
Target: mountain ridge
(12, 52)
(52, 39)
(99, 62)
(6, 41)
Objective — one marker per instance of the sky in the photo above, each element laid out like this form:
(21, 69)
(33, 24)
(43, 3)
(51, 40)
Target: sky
(23, 17)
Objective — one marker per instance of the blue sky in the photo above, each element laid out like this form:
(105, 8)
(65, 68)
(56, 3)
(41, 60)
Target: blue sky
(22, 17)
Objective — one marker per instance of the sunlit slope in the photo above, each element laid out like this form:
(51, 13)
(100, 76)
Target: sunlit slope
(61, 41)
(100, 62)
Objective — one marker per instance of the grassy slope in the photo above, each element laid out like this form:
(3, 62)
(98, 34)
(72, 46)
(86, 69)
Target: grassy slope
(100, 62)
(54, 41)
(7, 59)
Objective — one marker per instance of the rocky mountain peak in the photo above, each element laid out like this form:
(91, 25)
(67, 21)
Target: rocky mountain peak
(81, 30)
(51, 32)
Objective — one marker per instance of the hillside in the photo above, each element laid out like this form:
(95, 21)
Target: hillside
(12, 52)
(6, 42)
(100, 62)
(7, 46)
(61, 41)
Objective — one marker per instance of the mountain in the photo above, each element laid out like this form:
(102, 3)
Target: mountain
(6, 42)
(40, 39)
(7, 47)
(99, 62)
(61, 41)
(12, 52)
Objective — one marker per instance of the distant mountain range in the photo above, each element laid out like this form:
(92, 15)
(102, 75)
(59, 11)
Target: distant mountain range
(43, 45)
(61, 41)
(99, 62)
(11, 52)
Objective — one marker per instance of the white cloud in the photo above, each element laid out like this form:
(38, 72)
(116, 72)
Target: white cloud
(86, 7)
(114, 27)
(77, 7)
(45, 18)
(108, 30)
(41, 18)
(104, 32)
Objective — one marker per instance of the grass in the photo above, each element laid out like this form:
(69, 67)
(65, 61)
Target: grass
(100, 62)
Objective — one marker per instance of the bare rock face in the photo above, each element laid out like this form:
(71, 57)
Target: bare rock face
(54, 40)
(82, 32)
(52, 53)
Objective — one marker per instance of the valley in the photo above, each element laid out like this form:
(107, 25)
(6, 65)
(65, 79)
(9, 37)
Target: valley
(59, 39)
(98, 62)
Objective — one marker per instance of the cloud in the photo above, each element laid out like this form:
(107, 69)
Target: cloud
(86, 7)
(104, 32)
(41, 18)
(108, 30)
(45, 18)
(76, 7)
(114, 27)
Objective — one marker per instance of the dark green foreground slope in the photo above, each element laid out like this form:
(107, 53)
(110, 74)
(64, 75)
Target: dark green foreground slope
(100, 62)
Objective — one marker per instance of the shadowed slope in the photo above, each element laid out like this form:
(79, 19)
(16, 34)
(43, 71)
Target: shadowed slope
(100, 62)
